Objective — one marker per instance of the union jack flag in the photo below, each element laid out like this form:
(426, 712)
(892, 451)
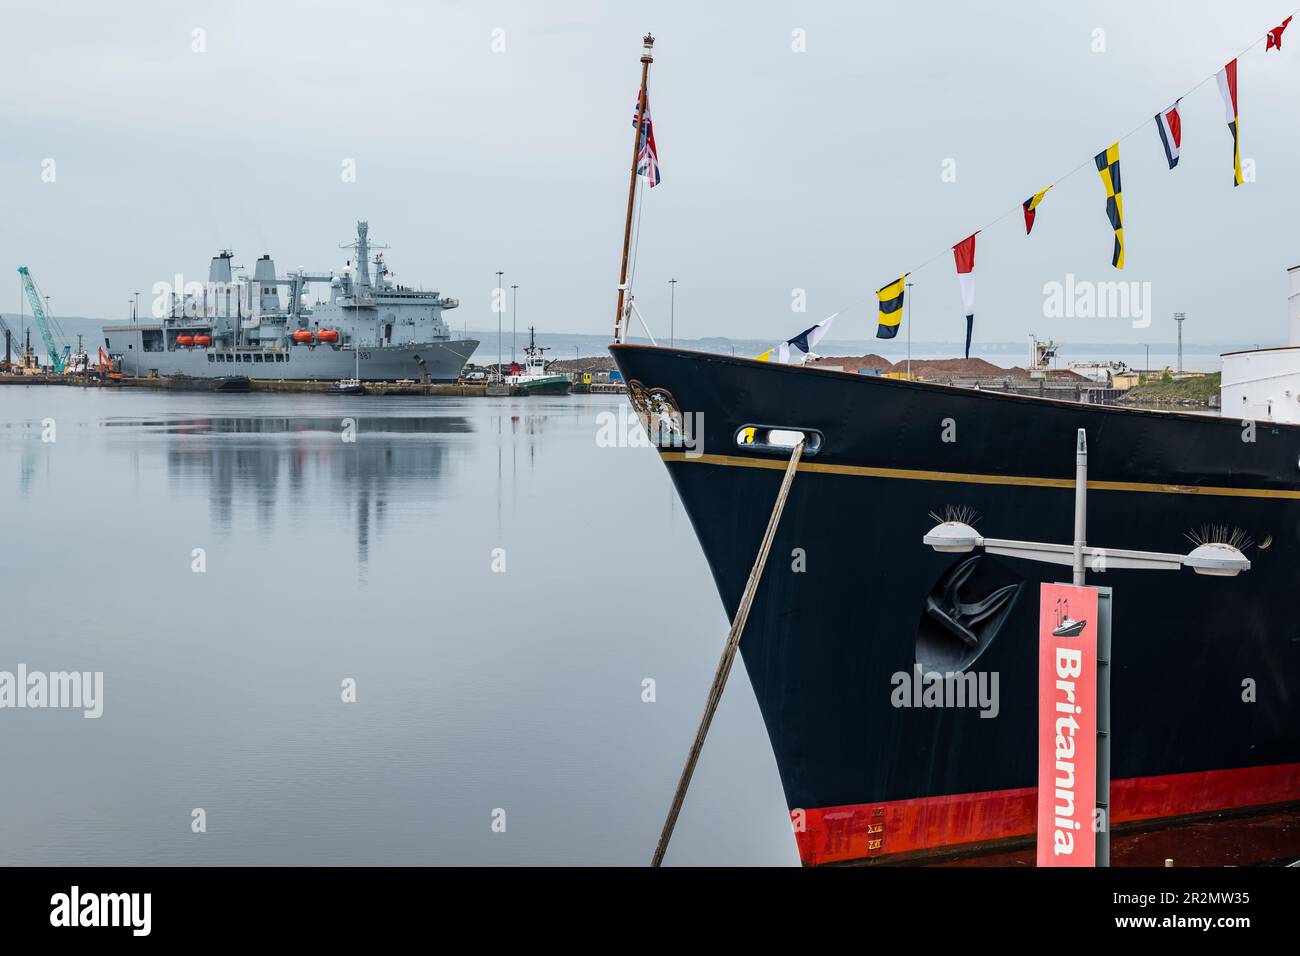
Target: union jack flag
(647, 157)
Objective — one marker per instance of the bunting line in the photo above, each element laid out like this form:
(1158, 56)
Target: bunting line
(1109, 171)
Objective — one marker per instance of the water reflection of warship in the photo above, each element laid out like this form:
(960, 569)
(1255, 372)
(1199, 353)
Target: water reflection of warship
(373, 328)
(270, 469)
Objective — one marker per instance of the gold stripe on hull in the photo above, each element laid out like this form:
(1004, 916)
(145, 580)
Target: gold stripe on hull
(862, 471)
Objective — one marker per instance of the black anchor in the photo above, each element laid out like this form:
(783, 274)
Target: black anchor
(958, 616)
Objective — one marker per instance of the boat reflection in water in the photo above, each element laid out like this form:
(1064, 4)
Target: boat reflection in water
(358, 464)
(329, 561)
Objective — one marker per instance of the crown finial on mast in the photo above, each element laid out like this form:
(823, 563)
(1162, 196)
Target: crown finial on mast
(649, 41)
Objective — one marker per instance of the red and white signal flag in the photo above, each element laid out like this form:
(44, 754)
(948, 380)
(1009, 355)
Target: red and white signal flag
(964, 254)
(1170, 124)
(1275, 36)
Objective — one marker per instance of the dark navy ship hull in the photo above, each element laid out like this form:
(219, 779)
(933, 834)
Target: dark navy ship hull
(1206, 671)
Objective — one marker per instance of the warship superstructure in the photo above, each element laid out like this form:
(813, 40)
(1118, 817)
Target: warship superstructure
(370, 327)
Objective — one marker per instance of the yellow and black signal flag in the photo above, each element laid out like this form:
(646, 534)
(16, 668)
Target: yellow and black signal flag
(891, 308)
(1108, 168)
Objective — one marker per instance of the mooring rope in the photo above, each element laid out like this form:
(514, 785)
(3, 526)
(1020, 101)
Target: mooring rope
(728, 655)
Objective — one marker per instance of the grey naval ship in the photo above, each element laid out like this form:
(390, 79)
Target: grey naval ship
(371, 327)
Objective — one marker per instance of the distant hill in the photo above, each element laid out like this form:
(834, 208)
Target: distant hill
(937, 370)
(570, 345)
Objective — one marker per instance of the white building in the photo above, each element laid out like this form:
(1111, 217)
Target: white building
(1265, 383)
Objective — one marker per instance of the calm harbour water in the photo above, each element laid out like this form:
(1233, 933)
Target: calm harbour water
(369, 560)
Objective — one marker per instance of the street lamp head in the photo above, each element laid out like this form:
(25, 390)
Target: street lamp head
(952, 537)
(1217, 559)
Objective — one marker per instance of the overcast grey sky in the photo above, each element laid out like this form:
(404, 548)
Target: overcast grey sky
(818, 170)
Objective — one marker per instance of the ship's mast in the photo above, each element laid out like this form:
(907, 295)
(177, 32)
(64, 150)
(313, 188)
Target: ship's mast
(363, 247)
(534, 351)
(363, 258)
(646, 60)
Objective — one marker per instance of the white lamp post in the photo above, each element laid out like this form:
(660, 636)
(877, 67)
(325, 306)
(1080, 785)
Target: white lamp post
(1215, 559)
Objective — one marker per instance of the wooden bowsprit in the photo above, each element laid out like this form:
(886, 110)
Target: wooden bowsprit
(728, 655)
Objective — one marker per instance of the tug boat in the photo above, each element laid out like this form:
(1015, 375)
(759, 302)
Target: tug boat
(534, 379)
(346, 386)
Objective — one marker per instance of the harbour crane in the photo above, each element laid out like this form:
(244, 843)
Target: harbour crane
(57, 357)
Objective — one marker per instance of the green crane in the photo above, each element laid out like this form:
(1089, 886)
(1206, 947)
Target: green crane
(42, 321)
